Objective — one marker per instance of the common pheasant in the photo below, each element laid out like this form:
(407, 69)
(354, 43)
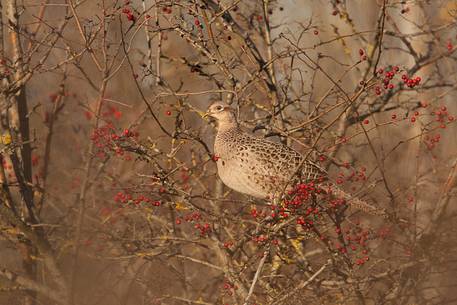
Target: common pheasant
(261, 168)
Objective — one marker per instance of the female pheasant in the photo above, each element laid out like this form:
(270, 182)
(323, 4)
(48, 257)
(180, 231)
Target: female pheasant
(262, 168)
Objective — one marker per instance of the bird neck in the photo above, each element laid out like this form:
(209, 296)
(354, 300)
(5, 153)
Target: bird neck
(226, 135)
(227, 125)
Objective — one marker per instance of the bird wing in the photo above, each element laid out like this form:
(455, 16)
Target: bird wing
(278, 162)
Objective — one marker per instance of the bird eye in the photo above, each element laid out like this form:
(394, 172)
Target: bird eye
(219, 108)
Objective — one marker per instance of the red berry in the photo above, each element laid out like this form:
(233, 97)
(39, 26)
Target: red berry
(168, 112)
(413, 119)
(361, 52)
(377, 90)
(316, 32)
(366, 121)
(394, 116)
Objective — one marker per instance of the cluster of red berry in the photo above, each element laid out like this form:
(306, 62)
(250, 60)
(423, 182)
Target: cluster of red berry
(192, 217)
(441, 115)
(411, 82)
(127, 198)
(432, 141)
(354, 176)
(354, 240)
(260, 239)
(106, 140)
(112, 111)
(204, 229)
(388, 77)
(128, 13)
(228, 244)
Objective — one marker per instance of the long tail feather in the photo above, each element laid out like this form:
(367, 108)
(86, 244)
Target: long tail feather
(358, 203)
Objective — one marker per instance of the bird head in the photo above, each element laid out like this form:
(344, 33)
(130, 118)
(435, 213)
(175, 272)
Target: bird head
(222, 113)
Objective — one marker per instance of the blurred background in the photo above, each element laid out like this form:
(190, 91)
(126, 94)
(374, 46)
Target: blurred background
(109, 187)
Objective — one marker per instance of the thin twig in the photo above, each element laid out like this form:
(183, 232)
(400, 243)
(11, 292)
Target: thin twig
(302, 285)
(256, 276)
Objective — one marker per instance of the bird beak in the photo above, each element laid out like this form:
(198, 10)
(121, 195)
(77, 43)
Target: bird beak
(206, 115)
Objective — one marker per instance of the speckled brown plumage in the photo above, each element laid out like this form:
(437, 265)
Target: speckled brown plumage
(262, 168)
(256, 166)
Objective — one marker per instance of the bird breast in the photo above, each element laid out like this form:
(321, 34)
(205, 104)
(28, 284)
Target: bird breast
(245, 170)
